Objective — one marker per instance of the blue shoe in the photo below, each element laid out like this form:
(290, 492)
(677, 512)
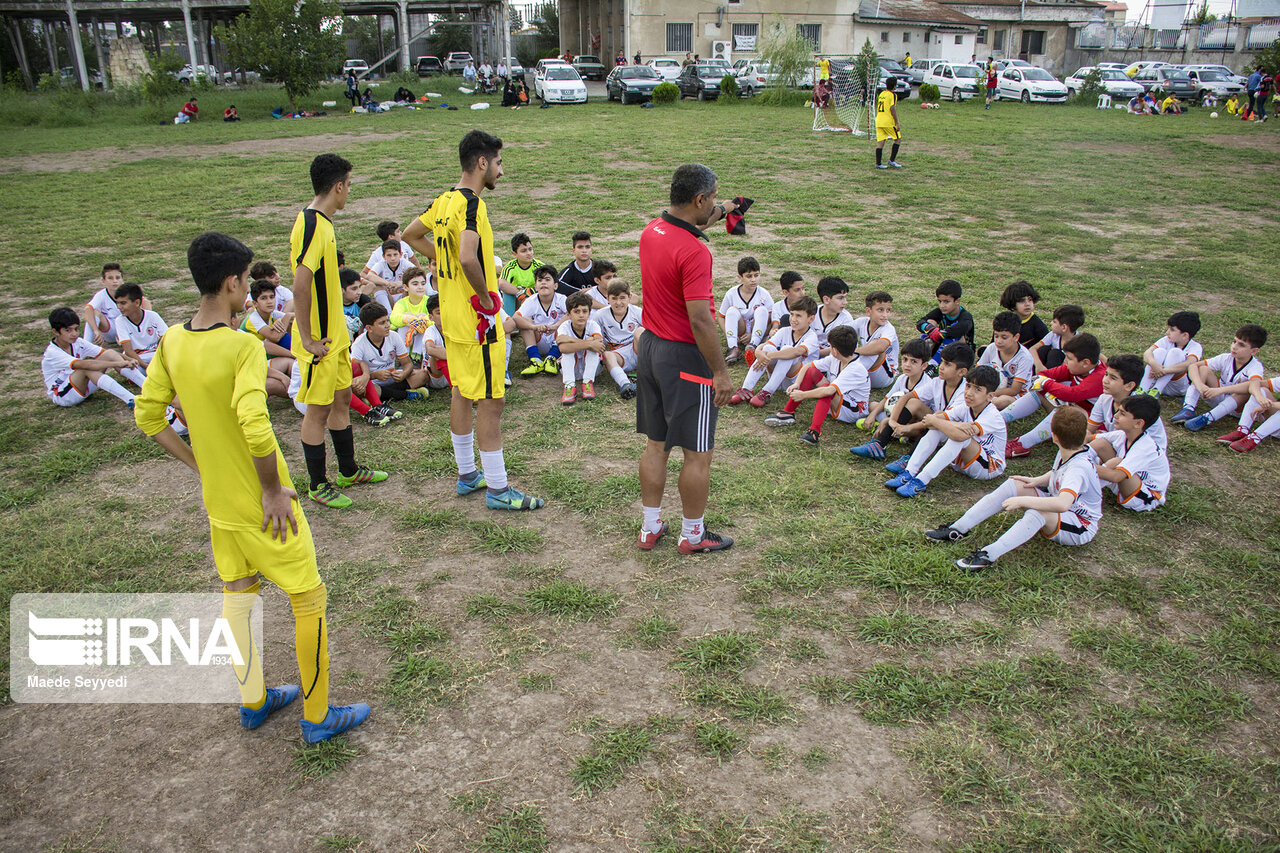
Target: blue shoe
(415, 395)
(277, 698)
(898, 481)
(881, 166)
(466, 487)
(338, 720)
(1198, 423)
(129, 403)
(1186, 413)
(895, 164)
(871, 450)
(912, 487)
(898, 465)
(510, 498)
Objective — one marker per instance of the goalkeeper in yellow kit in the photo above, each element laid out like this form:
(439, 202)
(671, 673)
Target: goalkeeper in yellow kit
(887, 126)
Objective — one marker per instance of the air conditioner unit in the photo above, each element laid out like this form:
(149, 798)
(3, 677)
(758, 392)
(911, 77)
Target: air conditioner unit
(722, 50)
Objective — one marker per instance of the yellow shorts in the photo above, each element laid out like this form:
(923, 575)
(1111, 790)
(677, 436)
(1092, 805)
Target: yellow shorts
(245, 553)
(479, 371)
(886, 131)
(322, 379)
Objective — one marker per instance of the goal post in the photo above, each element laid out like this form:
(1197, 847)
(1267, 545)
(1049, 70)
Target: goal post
(847, 106)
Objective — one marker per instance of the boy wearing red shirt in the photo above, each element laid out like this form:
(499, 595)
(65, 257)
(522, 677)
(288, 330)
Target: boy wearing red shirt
(1077, 380)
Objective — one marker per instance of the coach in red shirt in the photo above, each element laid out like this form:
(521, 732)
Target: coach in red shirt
(681, 375)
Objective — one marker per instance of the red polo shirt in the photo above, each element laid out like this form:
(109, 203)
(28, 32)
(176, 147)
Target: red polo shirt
(675, 268)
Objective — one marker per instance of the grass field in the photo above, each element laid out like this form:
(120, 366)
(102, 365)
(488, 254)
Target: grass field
(831, 683)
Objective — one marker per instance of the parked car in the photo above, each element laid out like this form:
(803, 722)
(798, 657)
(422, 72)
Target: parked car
(957, 80)
(357, 65)
(1114, 66)
(234, 75)
(722, 64)
(667, 68)
(1213, 82)
(1030, 84)
(190, 74)
(70, 77)
(429, 66)
(1234, 77)
(1133, 69)
(631, 83)
(457, 60)
(893, 68)
(543, 64)
(1113, 80)
(589, 67)
(1002, 64)
(701, 81)
(1168, 80)
(514, 68)
(919, 68)
(754, 76)
(560, 84)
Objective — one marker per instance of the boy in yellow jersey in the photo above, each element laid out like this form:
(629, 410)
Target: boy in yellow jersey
(320, 341)
(255, 522)
(455, 231)
(887, 126)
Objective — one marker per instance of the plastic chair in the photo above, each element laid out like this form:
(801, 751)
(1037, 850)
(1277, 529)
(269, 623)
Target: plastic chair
(1104, 101)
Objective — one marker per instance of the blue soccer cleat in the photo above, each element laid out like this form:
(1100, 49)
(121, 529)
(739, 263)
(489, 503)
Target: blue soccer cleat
(897, 481)
(1198, 423)
(898, 465)
(511, 498)
(339, 719)
(277, 698)
(912, 487)
(1186, 413)
(871, 450)
(466, 487)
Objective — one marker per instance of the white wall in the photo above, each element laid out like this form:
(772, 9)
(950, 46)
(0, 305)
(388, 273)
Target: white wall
(942, 45)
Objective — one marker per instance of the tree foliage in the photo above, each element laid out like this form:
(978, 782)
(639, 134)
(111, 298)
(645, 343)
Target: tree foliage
(546, 20)
(1269, 58)
(866, 68)
(1202, 15)
(297, 43)
(788, 53)
(450, 33)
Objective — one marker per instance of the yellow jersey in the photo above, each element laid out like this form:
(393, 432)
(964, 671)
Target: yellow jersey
(220, 374)
(884, 103)
(453, 212)
(313, 245)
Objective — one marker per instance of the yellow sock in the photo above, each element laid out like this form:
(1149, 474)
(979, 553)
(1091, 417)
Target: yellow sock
(237, 609)
(312, 644)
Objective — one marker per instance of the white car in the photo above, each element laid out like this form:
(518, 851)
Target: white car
(1114, 82)
(1233, 76)
(357, 65)
(188, 74)
(1134, 68)
(668, 69)
(957, 81)
(514, 68)
(233, 76)
(560, 84)
(754, 76)
(1030, 84)
(1211, 81)
(543, 64)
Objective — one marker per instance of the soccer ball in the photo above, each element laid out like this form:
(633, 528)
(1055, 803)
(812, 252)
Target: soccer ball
(1213, 115)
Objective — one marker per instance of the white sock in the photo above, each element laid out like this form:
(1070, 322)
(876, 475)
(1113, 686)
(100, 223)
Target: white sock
(1251, 407)
(114, 388)
(760, 323)
(1040, 432)
(1021, 407)
(568, 367)
(1269, 427)
(692, 529)
(731, 319)
(652, 524)
(949, 453)
(1192, 397)
(135, 375)
(753, 377)
(508, 361)
(495, 469)
(383, 299)
(619, 375)
(778, 370)
(928, 443)
(1023, 531)
(986, 507)
(1147, 382)
(464, 453)
(1225, 407)
(590, 366)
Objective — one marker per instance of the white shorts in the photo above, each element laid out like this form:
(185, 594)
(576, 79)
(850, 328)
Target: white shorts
(628, 354)
(1072, 529)
(66, 394)
(1143, 500)
(981, 467)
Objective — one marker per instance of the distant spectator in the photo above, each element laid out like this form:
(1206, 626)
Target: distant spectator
(353, 87)
(1254, 81)
(1171, 106)
(503, 71)
(189, 112)
(469, 73)
(230, 114)
(620, 59)
(404, 96)
(637, 58)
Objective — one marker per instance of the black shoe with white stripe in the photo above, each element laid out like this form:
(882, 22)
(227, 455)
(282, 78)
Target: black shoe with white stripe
(945, 533)
(975, 562)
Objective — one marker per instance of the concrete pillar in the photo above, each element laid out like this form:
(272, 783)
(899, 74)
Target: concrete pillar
(99, 52)
(48, 44)
(191, 36)
(402, 33)
(77, 47)
(20, 51)
(506, 30)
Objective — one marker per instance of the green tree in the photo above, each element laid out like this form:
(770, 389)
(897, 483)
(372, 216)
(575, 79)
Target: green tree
(546, 21)
(789, 54)
(1202, 15)
(450, 33)
(1269, 58)
(866, 70)
(515, 23)
(297, 43)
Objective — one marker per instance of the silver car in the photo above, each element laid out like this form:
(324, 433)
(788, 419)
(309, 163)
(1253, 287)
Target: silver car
(1211, 82)
(1114, 82)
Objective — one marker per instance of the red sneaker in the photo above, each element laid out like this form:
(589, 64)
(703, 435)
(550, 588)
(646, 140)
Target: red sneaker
(761, 399)
(1015, 450)
(708, 543)
(739, 397)
(648, 540)
(1244, 445)
(1234, 435)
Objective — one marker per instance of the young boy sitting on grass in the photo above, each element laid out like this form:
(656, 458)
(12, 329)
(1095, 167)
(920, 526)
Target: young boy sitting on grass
(516, 282)
(100, 311)
(410, 317)
(837, 383)
(1168, 359)
(1224, 379)
(950, 322)
(352, 300)
(744, 311)
(931, 394)
(433, 340)
(1078, 381)
(604, 273)
(878, 340)
(270, 325)
(266, 271)
(581, 345)
(792, 284)
(783, 356)
(889, 416)
(74, 368)
(1021, 298)
(1131, 462)
(137, 329)
(1064, 504)
(256, 524)
(384, 358)
(620, 324)
(833, 294)
(1010, 359)
(1263, 403)
(1119, 381)
(386, 274)
(968, 437)
(1049, 351)
(538, 319)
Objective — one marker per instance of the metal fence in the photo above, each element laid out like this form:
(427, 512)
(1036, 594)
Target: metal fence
(1263, 34)
(1217, 36)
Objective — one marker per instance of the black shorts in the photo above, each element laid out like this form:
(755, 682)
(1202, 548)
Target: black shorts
(675, 395)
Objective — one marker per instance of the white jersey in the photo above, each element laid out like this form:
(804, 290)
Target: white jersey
(1193, 351)
(535, 312)
(733, 299)
(1103, 419)
(386, 273)
(590, 330)
(105, 304)
(1225, 366)
(1076, 474)
(433, 336)
(853, 382)
(383, 357)
(844, 318)
(617, 333)
(406, 254)
(785, 338)
(1051, 341)
(144, 337)
(887, 359)
(992, 431)
(1020, 366)
(899, 389)
(1144, 459)
(57, 364)
(780, 313)
(283, 297)
(932, 391)
(596, 294)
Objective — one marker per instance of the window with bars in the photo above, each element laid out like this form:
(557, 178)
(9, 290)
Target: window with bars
(998, 44)
(812, 33)
(982, 35)
(679, 38)
(745, 31)
(906, 38)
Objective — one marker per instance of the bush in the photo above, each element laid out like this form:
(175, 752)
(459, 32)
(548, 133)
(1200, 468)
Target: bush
(1090, 87)
(729, 88)
(666, 93)
(788, 53)
(929, 92)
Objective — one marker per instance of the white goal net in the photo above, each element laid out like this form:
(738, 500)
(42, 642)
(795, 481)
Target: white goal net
(843, 104)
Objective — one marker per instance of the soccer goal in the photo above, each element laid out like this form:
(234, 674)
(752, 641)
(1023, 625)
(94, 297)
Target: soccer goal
(846, 107)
